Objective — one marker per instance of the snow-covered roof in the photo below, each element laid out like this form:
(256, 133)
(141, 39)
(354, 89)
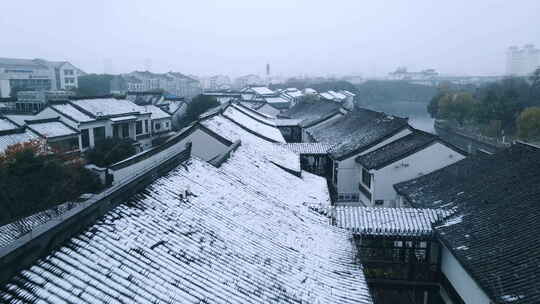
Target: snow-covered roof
(357, 131)
(397, 150)
(262, 129)
(253, 113)
(348, 93)
(308, 148)
(262, 90)
(13, 137)
(310, 112)
(374, 221)
(50, 128)
(244, 236)
(20, 119)
(102, 107)
(234, 131)
(494, 231)
(287, 122)
(6, 124)
(337, 95)
(156, 113)
(309, 91)
(327, 95)
(278, 102)
(123, 118)
(71, 112)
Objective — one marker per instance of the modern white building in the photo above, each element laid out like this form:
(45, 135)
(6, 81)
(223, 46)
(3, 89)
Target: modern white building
(36, 74)
(173, 83)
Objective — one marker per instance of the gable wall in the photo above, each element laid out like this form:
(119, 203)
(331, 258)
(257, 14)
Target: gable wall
(349, 172)
(432, 158)
(462, 282)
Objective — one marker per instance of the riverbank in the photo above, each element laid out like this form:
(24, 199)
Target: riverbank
(468, 141)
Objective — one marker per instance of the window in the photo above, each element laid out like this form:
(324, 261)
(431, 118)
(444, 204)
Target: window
(348, 197)
(379, 202)
(138, 127)
(85, 137)
(167, 124)
(146, 126)
(68, 72)
(125, 130)
(157, 126)
(69, 80)
(336, 165)
(99, 134)
(116, 131)
(366, 178)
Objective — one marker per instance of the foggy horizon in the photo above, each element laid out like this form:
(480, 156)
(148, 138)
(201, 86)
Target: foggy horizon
(304, 38)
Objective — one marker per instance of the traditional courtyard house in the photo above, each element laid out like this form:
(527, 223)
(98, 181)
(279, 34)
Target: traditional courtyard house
(238, 231)
(258, 93)
(233, 123)
(289, 128)
(12, 133)
(490, 249)
(224, 97)
(398, 249)
(99, 118)
(352, 135)
(313, 113)
(292, 94)
(406, 158)
(314, 157)
(161, 120)
(278, 102)
(56, 134)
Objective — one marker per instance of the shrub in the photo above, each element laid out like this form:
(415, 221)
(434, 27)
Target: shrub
(109, 151)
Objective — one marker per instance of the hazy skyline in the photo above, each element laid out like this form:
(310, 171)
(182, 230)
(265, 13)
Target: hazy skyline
(295, 37)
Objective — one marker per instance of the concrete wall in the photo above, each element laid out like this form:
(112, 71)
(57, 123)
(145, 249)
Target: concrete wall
(462, 282)
(420, 163)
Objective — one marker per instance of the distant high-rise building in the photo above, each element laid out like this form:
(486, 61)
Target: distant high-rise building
(522, 61)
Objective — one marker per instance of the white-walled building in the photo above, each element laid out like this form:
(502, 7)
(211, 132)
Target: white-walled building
(36, 74)
(489, 245)
(408, 157)
(97, 119)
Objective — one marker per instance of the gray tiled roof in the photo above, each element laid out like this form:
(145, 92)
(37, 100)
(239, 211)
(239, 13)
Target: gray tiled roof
(308, 148)
(494, 233)
(373, 221)
(396, 150)
(246, 236)
(357, 131)
(312, 111)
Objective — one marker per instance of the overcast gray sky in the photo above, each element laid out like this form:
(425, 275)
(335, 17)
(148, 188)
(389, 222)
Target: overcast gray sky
(237, 37)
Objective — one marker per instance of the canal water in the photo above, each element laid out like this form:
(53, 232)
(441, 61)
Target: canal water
(416, 112)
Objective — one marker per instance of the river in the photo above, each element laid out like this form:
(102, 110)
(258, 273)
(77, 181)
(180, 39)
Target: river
(416, 111)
